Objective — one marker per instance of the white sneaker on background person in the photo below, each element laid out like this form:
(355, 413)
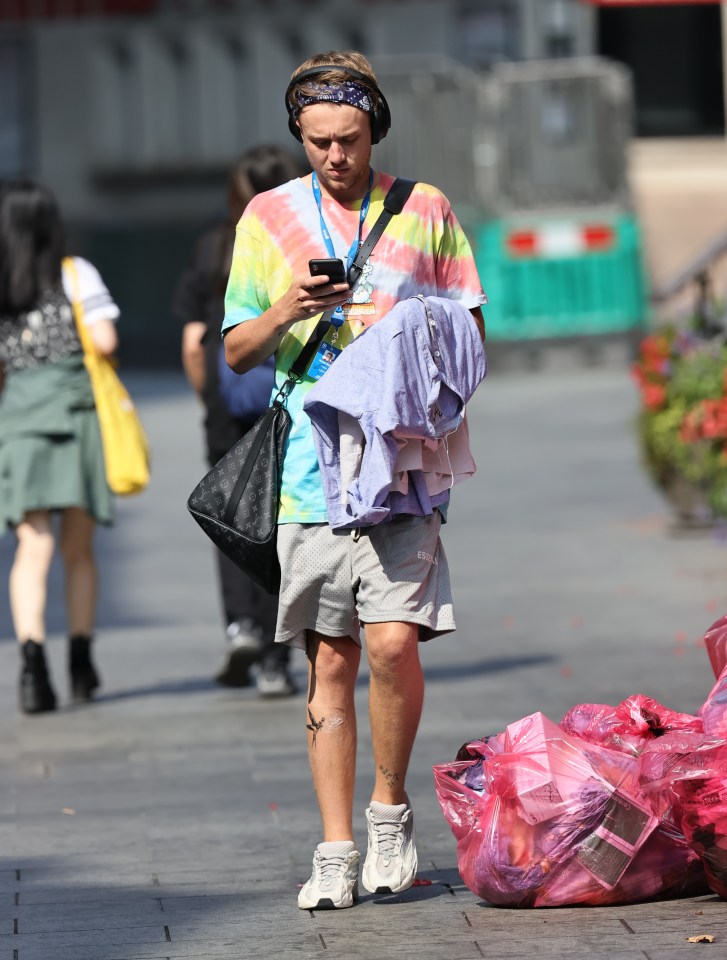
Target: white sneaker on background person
(243, 648)
(274, 680)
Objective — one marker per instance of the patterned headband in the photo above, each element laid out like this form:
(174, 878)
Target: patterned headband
(347, 91)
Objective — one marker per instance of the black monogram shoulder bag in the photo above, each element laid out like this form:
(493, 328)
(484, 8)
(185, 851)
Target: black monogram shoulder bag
(236, 503)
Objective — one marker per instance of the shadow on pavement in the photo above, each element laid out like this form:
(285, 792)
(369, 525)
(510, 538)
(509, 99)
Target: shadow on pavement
(428, 885)
(135, 910)
(443, 673)
(186, 685)
(172, 687)
(412, 895)
(439, 674)
(460, 671)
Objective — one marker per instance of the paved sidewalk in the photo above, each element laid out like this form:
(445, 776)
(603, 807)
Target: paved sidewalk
(176, 819)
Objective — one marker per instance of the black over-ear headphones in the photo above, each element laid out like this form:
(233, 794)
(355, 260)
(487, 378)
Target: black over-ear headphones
(380, 115)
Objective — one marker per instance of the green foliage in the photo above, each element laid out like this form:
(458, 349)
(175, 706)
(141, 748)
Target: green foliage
(697, 375)
(681, 426)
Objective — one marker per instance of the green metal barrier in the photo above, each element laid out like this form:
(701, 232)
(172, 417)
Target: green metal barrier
(558, 276)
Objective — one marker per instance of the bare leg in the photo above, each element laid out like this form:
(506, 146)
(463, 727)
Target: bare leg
(331, 722)
(77, 529)
(396, 695)
(29, 575)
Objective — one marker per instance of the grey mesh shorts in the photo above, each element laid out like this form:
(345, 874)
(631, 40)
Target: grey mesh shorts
(335, 581)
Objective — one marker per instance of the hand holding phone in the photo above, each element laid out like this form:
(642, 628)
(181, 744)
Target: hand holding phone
(332, 268)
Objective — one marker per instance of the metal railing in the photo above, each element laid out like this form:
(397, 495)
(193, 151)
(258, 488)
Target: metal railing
(709, 314)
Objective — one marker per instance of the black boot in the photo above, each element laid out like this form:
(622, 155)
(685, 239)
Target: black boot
(35, 690)
(84, 679)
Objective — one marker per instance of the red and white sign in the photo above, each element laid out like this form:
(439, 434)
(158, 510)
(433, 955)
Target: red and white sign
(564, 239)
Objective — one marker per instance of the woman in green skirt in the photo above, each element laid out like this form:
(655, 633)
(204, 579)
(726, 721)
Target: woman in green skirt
(51, 458)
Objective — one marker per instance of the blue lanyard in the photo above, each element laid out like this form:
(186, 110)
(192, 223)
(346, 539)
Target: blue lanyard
(338, 317)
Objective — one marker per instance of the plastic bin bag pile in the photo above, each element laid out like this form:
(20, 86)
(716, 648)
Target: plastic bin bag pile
(612, 805)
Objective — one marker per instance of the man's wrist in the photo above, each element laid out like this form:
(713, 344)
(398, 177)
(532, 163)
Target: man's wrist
(281, 318)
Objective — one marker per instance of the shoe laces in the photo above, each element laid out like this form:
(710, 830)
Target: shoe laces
(388, 836)
(329, 868)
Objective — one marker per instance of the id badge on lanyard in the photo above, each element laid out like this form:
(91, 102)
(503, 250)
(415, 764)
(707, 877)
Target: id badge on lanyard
(324, 358)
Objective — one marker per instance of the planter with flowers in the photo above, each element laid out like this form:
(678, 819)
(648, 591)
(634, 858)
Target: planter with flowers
(682, 378)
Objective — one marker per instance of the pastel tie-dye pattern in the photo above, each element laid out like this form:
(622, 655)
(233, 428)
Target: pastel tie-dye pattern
(423, 250)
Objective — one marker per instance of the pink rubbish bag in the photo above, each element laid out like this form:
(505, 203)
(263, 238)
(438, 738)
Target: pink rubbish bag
(694, 768)
(545, 818)
(703, 806)
(714, 710)
(715, 640)
(627, 727)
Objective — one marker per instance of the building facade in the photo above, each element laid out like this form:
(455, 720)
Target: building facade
(133, 110)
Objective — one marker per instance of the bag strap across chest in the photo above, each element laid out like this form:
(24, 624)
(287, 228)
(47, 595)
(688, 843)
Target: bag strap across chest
(394, 201)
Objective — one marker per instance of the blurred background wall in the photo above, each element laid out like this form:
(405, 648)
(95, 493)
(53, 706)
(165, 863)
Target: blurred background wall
(133, 110)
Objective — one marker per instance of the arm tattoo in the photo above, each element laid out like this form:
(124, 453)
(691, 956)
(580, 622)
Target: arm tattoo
(390, 776)
(314, 726)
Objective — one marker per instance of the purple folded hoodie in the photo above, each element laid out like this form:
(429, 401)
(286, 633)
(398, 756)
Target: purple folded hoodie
(411, 373)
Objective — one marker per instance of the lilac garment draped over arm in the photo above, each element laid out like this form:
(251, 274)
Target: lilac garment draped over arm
(395, 378)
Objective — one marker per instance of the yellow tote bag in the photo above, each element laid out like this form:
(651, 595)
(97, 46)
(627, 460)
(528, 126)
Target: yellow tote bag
(125, 445)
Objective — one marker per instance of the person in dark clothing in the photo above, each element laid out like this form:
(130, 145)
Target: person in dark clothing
(249, 612)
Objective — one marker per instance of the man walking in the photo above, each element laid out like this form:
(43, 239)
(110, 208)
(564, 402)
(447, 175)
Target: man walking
(334, 582)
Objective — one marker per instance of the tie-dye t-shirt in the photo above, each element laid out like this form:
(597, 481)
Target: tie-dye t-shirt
(423, 250)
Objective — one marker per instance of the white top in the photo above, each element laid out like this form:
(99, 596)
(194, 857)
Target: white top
(95, 297)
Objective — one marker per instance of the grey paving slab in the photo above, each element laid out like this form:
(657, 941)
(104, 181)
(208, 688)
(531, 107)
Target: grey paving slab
(8, 883)
(594, 951)
(39, 871)
(233, 905)
(229, 952)
(404, 926)
(274, 945)
(194, 815)
(140, 934)
(648, 927)
(640, 919)
(389, 948)
(71, 897)
(87, 916)
(32, 915)
(123, 893)
(89, 923)
(684, 952)
(124, 861)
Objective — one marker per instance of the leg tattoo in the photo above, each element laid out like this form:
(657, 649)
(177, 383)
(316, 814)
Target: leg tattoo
(390, 776)
(314, 726)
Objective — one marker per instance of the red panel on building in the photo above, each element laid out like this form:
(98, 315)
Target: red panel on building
(644, 3)
(62, 9)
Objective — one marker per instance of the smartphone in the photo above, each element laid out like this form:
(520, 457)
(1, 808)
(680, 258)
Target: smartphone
(331, 268)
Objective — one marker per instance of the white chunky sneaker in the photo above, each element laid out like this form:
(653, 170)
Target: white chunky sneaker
(391, 860)
(334, 882)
